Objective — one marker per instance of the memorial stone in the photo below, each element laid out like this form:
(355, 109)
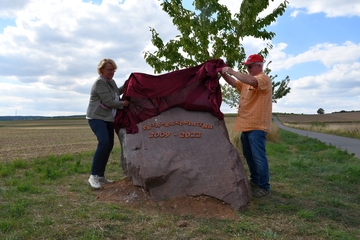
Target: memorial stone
(185, 153)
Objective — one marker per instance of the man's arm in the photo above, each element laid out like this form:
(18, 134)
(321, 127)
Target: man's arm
(230, 80)
(245, 78)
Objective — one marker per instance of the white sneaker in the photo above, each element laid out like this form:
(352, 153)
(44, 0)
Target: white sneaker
(103, 180)
(94, 181)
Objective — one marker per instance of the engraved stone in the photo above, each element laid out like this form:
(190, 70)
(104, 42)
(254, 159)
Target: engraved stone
(185, 153)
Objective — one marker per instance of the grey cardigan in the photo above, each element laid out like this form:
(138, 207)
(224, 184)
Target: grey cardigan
(102, 99)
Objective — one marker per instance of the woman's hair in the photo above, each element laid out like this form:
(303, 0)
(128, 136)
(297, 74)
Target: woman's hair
(102, 63)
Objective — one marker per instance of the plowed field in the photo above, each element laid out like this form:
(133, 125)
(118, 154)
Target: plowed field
(346, 117)
(39, 138)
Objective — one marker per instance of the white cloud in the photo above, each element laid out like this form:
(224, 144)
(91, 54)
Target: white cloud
(56, 45)
(326, 53)
(339, 78)
(331, 8)
(334, 90)
(295, 13)
(9, 8)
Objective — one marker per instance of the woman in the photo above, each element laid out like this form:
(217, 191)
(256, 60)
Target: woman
(103, 103)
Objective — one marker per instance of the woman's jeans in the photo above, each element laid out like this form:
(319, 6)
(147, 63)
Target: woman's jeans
(104, 132)
(253, 144)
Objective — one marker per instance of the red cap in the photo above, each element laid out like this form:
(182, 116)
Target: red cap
(253, 59)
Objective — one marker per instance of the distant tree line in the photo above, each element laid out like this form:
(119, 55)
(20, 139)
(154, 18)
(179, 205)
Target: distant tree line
(17, 118)
(344, 111)
(322, 111)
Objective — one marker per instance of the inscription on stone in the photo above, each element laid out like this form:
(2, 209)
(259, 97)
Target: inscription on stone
(167, 125)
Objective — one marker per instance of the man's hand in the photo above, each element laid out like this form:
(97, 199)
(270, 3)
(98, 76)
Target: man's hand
(225, 70)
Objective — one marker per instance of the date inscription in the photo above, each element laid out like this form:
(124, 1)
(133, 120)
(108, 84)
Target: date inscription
(166, 134)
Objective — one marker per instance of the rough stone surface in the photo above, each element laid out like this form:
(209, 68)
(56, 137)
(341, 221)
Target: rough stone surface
(185, 153)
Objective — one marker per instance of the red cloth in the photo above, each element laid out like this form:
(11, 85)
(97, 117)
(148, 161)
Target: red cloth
(193, 89)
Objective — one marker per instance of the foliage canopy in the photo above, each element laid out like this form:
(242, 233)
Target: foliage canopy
(212, 32)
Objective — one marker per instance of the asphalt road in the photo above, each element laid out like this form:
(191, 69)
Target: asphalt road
(350, 144)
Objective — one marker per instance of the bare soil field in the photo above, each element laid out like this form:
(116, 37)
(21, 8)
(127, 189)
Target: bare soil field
(346, 124)
(345, 117)
(31, 139)
(40, 138)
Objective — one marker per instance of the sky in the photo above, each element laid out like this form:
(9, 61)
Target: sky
(49, 51)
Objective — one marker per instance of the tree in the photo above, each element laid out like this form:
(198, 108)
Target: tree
(320, 111)
(279, 89)
(212, 32)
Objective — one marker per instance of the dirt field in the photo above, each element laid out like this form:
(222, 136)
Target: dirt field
(347, 117)
(40, 138)
(343, 124)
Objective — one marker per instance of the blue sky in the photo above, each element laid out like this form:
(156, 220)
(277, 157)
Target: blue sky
(49, 51)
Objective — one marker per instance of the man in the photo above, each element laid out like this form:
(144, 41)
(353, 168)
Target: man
(254, 118)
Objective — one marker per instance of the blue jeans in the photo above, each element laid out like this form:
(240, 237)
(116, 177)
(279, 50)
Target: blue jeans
(104, 132)
(253, 144)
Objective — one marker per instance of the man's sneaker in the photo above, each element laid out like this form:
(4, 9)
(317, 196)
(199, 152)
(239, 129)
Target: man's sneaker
(260, 192)
(103, 180)
(94, 181)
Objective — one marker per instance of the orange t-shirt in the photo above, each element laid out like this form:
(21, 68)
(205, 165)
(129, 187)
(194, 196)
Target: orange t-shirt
(255, 105)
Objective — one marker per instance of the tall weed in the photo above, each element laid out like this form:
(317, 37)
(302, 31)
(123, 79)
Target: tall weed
(272, 136)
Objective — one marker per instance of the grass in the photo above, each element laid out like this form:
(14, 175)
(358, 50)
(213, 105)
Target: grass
(340, 124)
(315, 195)
(339, 129)
(350, 130)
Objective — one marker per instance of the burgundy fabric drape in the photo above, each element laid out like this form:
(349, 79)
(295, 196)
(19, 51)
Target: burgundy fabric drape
(193, 89)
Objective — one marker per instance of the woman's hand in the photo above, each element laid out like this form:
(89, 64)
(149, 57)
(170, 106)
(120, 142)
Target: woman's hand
(126, 103)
